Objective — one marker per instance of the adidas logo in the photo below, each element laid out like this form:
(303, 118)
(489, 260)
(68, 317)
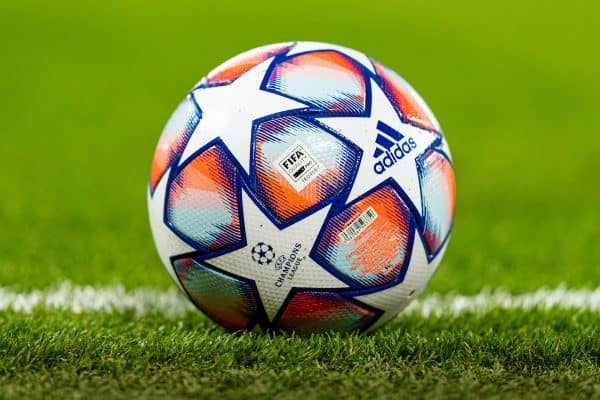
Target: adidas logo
(392, 145)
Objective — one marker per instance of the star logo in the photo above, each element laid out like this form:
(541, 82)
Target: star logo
(263, 253)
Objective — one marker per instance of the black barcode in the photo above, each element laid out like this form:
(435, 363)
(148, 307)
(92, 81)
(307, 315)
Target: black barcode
(359, 225)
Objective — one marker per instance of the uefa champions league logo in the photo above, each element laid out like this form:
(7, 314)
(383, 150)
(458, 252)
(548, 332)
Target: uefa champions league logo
(263, 253)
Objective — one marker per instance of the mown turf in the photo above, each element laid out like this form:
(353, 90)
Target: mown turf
(553, 354)
(86, 88)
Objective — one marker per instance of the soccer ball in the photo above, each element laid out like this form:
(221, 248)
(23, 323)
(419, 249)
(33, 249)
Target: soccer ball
(302, 187)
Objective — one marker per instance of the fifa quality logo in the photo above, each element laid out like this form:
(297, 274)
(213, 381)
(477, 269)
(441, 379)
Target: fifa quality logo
(392, 145)
(298, 166)
(292, 159)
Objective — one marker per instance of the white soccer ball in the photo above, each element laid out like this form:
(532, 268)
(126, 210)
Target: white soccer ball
(302, 187)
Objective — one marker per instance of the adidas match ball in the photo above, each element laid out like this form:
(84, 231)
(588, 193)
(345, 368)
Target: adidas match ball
(302, 187)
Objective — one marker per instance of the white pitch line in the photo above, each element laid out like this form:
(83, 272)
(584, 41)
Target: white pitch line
(171, 303)
(107, 299)
(487, 301)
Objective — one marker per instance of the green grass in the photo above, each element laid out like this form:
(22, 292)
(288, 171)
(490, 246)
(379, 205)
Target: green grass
(551, 354)
(86, 89)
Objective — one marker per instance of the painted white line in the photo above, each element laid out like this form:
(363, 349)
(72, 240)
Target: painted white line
(487, 301)
(171, 303)
(108, 299)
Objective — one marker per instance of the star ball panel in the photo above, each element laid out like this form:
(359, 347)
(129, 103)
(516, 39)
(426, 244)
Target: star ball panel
(315, 312)
(388, 236)
(273, 138)
(438, 190)
(406, 100)
(229, 301)
(272, 179)
(202, 203)
(326, 80)
(173, 139)
(237, 66)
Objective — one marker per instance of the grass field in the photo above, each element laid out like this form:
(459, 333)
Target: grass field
(86, 89)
